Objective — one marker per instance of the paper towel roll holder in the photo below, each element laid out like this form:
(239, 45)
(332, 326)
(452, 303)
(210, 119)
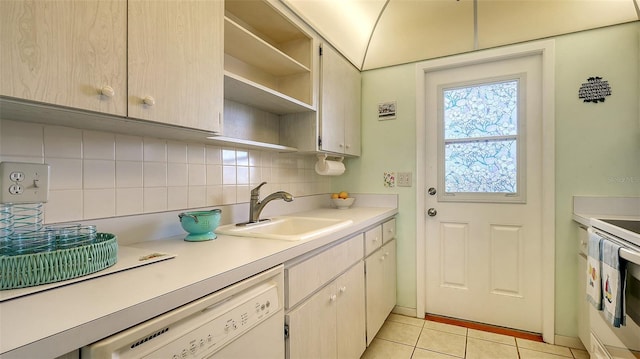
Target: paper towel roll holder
(323, 157)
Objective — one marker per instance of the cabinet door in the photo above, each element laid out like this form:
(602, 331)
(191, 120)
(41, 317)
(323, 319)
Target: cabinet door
(312, 326)
(332, 103)
(375, 297)
(176, 62)
(340, 104)
(352, 98)
(351, 334)
(389, 253)
(65, 53)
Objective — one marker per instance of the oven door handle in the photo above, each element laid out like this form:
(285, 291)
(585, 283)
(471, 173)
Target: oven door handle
(631, 256)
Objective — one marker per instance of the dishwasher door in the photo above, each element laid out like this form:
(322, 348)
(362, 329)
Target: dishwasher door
(244, 320)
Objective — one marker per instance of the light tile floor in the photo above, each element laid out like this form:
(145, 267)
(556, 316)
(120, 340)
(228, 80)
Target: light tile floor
(411, 338)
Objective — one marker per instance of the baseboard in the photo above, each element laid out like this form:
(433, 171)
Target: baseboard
(409, 312)
(571, 342)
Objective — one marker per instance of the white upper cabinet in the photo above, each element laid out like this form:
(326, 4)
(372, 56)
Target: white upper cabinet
(340, 104)
(335, 128)
(66, 53)
(159, 61)
(176, 62)
(268, 58)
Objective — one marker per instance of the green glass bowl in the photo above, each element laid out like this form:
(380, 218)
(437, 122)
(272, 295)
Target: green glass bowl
(200, 224)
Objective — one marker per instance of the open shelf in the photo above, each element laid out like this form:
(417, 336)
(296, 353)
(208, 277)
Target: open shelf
(239, 89)
(254, 51)
(238, 142)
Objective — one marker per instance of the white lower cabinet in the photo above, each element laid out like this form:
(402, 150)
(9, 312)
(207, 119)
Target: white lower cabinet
(380, 287)
(334, 307)
(331, 323)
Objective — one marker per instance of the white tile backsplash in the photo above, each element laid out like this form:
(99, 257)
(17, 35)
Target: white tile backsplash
(98, 145)
(99, 203)
(155, 199)
(129, 148)
(177, 197)
(197, 174)
(176, 152)
(129, 174)
(65, 173)
(97, 174)
(21, 139)
(155, 174)
(62, 142)
(196, 153)
(154, 150)
(129, 201)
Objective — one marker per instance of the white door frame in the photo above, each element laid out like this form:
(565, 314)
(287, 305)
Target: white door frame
(546, 49)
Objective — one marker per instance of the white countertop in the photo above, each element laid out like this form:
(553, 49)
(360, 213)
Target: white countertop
(587, 207)
(59, 320)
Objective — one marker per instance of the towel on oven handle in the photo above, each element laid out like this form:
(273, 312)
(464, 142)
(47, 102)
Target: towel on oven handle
(613, 282)
(594, 269)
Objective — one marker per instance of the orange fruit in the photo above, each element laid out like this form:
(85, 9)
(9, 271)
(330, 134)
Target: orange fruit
(334, 195)
(343, 195)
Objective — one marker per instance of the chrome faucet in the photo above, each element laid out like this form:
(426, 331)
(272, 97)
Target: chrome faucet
(256, 206)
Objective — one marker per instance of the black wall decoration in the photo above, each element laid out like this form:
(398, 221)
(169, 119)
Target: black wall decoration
(594, 90)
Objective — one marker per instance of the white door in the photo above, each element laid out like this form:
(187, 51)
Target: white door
(483, 165)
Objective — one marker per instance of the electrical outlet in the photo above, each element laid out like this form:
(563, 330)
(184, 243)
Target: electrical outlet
(22, 182)
(404, 179)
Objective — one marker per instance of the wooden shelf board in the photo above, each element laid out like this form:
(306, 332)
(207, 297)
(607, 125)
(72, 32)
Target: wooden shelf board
(250, 93)
(243, 45)
(242, 143)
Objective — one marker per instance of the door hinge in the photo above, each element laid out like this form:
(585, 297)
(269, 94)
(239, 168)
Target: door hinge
(286, 331)
(319, 141)
(320, 51)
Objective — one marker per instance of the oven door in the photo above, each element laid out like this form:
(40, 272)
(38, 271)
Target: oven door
(624, 342)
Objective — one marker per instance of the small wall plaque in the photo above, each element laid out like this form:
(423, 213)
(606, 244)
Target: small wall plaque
(387, 111)
(594, 90)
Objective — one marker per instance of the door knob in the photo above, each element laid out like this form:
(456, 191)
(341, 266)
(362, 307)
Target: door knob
(432, 191)
(432, 212)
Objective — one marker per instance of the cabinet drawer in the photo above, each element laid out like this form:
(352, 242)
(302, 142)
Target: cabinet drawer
(305, 277)
(372, 240)
(388, 230)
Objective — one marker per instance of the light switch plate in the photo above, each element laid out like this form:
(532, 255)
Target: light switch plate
(404, 179)
(22, 182)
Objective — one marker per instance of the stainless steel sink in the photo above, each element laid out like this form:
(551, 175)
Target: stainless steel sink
(286, 228)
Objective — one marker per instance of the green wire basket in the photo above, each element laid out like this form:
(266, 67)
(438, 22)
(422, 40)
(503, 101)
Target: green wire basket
(29, 270)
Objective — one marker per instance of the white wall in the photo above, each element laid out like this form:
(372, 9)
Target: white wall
(597, 146)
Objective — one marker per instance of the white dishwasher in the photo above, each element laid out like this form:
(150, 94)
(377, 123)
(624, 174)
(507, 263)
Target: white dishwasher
(244, 321)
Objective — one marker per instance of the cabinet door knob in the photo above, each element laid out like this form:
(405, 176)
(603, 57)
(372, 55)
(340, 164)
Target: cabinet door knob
(333, 298)
(149, 101)
(343, 289)
(107, 91)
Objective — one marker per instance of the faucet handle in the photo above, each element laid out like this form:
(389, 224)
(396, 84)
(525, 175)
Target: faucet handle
(256, 191)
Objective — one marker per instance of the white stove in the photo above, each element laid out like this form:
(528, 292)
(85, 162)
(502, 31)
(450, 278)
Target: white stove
(607, 341)
(627, 230)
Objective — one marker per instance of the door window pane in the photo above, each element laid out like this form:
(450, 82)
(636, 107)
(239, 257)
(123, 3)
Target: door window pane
(482, 110)
(485, 166)
(480, 127)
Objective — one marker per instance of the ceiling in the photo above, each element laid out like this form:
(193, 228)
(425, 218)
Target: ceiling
(379, 33)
